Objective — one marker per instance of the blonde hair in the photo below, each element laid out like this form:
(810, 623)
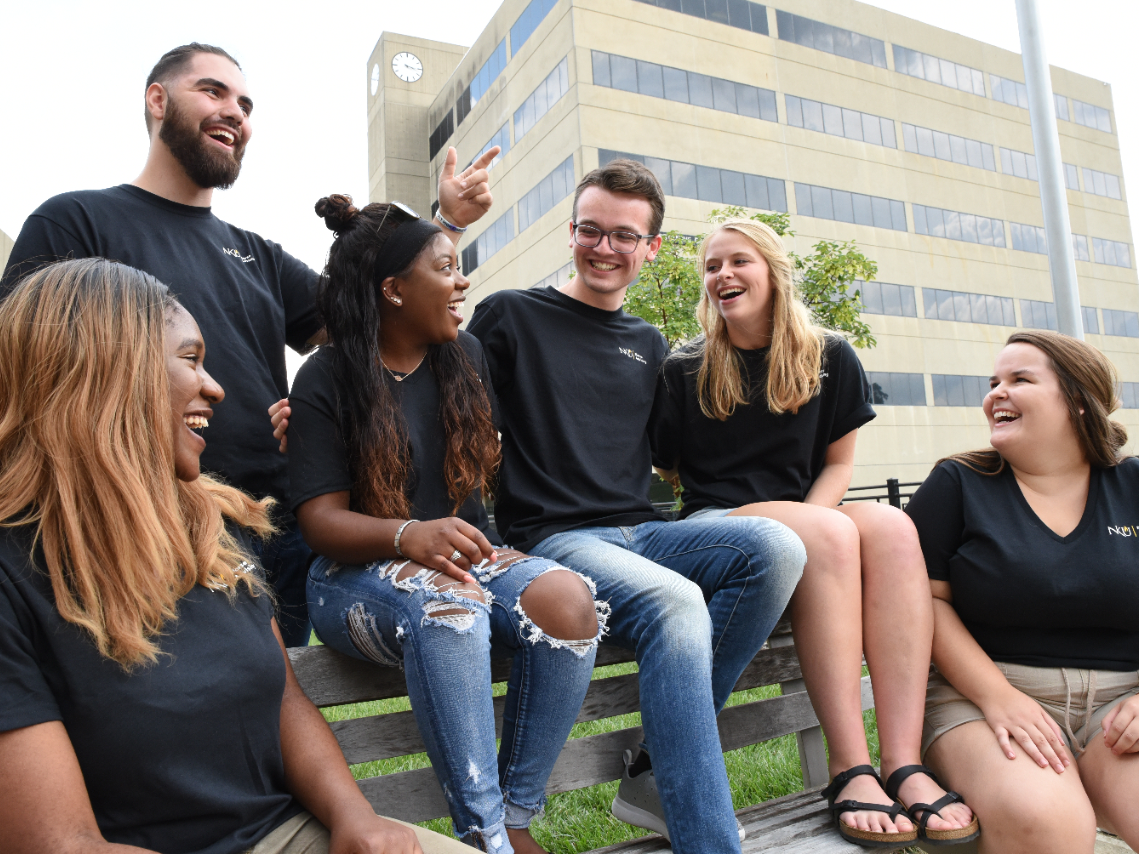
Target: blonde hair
(796, 354)
(87, 456)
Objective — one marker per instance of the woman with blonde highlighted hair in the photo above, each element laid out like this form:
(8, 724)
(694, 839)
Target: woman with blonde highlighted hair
(146, 700)
(759, 417)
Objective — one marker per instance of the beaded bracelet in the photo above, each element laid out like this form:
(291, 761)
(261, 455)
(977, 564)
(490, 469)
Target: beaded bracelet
(399, 533)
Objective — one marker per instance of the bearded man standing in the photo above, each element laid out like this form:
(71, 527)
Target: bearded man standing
(249, 296)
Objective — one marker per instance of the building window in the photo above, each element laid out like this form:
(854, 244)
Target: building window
(708, 183)
(1009, 91)
(830, 39)
(951, 74)
(1129, 395)
(841, 206)
(687, 87)
(1019, 164)
(1124, 324)
(1080, 248)
(839, 121)
(441, 134)
(892, 389)
(480, 83)
(1029, 238)
(557, 279)
(548, 93)
(741, 14)
(884, 298)
(1102, 184)
(527, 22)
(1091, 116)
(958, 226)
(545, 194)
(968, 308)
(1061, 107)
(1071, 177)
(498, 234)
(1091, 319)
(1112, 253)
(947, 146)
(1035, 314)
(957, 390)
(502, 139)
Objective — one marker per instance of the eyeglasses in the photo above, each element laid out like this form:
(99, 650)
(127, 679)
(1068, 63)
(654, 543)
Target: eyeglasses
(624, 242)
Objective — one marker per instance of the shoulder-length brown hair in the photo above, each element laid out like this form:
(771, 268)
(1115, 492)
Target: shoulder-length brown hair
(796, 354)
(1088, 381)
(87, 456)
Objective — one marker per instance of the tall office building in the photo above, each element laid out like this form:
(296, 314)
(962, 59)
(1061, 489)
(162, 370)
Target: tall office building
(862, 124)
(6, 244)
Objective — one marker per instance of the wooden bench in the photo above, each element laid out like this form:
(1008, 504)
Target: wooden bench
(795, 823)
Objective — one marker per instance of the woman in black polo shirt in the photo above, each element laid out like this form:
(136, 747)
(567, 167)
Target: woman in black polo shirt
(760, 417)
(1033, 558)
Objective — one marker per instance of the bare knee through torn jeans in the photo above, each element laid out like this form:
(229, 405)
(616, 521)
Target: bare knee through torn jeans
(443, 634)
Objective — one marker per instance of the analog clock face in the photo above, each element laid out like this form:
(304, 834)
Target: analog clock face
(375, 77)
(407, 67)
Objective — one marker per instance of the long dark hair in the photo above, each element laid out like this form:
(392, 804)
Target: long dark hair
(1088, 382)
(372, 425)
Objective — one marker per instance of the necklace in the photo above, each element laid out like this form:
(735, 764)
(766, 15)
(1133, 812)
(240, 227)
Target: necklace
(401, 377)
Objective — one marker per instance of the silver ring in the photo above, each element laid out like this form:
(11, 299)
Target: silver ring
(455, 555)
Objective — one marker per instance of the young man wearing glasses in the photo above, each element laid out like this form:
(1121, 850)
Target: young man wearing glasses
(575, 378)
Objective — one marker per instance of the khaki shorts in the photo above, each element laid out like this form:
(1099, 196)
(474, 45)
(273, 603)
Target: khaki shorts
(303, 834)
(1078, 700)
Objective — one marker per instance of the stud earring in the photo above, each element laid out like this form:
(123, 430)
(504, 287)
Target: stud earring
(395, 300)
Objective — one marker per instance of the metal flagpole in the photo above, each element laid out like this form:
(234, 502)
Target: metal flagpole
(1050, 167)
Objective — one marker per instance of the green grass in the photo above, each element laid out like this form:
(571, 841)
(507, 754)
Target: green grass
(580, 820)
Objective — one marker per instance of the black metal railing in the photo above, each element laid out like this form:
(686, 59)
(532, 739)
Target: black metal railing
(890, 491)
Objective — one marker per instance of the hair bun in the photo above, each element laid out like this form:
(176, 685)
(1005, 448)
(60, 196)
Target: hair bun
(337, 211)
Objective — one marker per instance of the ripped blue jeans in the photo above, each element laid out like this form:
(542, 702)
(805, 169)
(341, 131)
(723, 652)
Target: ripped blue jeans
(444, 642)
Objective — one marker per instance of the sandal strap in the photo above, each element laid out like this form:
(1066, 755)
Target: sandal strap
(928, 810)
(895, 780)
(893, 810)
(843, 777)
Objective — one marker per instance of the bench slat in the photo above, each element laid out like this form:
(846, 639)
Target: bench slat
(416, 796)
(396, 734)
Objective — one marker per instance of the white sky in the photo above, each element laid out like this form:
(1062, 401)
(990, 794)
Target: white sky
(75, 72)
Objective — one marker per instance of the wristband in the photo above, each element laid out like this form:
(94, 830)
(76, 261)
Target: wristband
(443, 220)
(399, 533)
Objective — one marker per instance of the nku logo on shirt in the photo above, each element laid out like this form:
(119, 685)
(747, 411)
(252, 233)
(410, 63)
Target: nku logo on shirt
(632, 354)
(244, 259)
(1122, 531)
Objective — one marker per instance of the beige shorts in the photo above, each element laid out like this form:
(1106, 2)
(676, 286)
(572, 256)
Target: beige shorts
(1078, 700)
(303, 834)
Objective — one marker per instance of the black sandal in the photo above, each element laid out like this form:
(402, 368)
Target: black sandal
(957, 836)
(865, 838)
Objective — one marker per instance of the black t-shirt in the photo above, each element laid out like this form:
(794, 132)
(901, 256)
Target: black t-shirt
(576, 387)
(249, 297)
(1028, 595)
(754, 455)
(180, 756)
(318, 458)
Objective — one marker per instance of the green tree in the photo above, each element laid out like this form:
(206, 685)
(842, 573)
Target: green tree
(668, 289)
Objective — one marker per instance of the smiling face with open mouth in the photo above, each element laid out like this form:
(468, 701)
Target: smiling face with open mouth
(738, 282)
(192, 391)
(432, 294)
(206, 124)
(1025, 406)
(602, 273)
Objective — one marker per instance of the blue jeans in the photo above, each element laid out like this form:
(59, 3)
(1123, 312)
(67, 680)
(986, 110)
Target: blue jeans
(285, 558)
(365, 612)
(695, 600)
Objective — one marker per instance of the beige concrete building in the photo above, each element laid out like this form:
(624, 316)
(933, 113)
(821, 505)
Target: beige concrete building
(862, 124)
(6, 244)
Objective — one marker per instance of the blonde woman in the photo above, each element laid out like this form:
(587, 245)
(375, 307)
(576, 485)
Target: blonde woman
(759, 417)
(146, 700)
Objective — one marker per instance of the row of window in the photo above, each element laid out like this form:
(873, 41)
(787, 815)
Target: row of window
(839, 121)
(708, 184)
(842, 206)
(479, 250)
(947, 146)
(547, 93)
(968, 308)
(1010, 92)
(501, 139)
(957, 390)
(954, 225)
(742, 14)
(896, 389)
(441, 134)
(480, 83)
(1129, 395)
(687, 87)
(942, 71)
(1102, 184)
(830, 39)
(885, 298)
(1111, 252)
(900, 389)
(527, 22)
(545, 194)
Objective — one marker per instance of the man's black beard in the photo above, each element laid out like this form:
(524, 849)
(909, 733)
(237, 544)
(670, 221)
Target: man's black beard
(207, 168)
